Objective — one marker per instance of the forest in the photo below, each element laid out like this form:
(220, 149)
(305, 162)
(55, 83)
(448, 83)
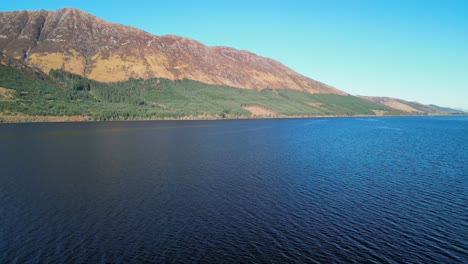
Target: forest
(61, 93)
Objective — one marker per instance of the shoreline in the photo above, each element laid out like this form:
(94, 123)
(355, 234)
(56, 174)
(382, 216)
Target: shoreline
(82, 119)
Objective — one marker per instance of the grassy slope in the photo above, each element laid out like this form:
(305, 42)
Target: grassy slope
(67, 94)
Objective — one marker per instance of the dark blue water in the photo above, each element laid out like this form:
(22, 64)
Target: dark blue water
(298, 190)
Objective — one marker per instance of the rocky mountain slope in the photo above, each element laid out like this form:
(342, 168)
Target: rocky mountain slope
(78, 42)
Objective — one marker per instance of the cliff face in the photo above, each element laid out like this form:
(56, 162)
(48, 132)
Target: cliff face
(81, 43)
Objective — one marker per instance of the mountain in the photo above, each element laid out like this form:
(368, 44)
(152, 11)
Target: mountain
(448, 110)
(78, 42)
(413, 108)
(68, 65)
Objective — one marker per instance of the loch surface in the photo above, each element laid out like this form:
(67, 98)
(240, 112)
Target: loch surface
(381, 190)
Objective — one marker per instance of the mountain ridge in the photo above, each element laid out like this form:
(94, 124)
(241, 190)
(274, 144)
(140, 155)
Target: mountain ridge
(76, 41)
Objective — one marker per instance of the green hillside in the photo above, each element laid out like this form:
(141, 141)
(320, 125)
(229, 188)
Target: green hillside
(64, 94)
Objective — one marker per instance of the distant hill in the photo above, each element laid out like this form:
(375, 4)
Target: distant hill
(447, 110)
(413, 108)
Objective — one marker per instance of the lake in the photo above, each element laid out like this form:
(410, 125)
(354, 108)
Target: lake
(389, 189)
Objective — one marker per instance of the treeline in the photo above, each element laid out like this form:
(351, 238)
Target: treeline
(119, 92)
(73, 81)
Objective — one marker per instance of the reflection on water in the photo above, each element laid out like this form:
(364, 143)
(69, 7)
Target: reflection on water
(65, 133)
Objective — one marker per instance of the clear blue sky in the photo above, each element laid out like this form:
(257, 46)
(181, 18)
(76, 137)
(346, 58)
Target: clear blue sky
(410, 49)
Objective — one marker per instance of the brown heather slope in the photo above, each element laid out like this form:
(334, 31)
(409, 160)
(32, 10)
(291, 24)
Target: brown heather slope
(393, 103)
(81, 43)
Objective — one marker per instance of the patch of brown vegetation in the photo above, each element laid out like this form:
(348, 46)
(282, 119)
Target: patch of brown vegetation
(259, 110)
(119, 68)
(162, 106)
(7, 94)
(314, 104)
(72, 61)
(392, 103)
(400, 106)
(379, 112)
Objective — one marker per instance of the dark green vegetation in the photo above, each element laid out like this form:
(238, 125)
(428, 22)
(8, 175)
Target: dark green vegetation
(64, 94)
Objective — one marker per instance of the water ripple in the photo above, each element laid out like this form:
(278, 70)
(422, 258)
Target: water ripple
(362, 190)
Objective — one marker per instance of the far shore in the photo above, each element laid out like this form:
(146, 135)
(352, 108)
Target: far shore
(19, 119)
